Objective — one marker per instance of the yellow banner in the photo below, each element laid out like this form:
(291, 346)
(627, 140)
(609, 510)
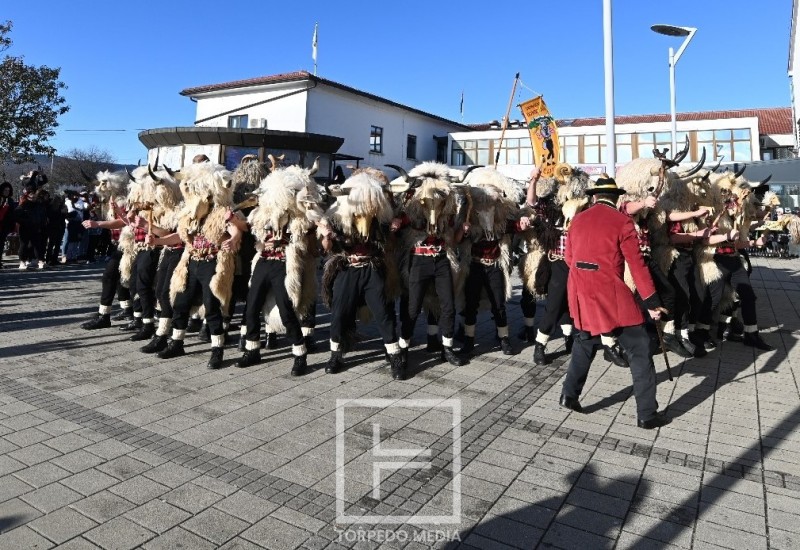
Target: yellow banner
(544, 134)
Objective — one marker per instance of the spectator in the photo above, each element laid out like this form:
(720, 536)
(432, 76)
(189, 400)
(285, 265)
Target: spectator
(93, 234)
(7, 206)
(74, 228)
(56, 226)
(32, 219)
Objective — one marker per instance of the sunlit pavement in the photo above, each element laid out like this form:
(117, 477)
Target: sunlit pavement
(103, 446)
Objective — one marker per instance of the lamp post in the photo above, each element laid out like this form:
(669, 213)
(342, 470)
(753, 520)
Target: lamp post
(608, 59)
(688, 33)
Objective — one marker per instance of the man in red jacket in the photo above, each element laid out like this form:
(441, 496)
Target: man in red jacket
(601, 241)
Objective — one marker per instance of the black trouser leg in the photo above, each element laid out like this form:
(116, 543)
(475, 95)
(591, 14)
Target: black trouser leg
(110, 280)
(527, 303)
(682, 278)
(495, 285)
(584, 348)
(636, 343)
(556, 309)
(277, 275)
(146, 264)
(374, 288)
(205, 272)
(164, 273)
(664, 289)
(420, 275)
(54, 239)
(740, 281)
(344, 303)
(446, 294)
(473, 287)
(256, 296)
(184, 300)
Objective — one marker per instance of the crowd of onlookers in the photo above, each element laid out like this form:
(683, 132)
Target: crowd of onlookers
(46, 228)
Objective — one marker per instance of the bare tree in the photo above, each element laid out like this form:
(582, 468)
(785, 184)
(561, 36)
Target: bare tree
(71, 169)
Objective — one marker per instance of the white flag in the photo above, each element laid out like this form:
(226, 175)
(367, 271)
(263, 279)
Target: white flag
(314, 44)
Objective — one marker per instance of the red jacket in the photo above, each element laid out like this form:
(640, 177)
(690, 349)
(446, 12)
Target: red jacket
(601, 239)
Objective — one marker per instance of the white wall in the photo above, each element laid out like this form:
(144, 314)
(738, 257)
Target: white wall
(287, 113)
(338, 113)
(794, 69)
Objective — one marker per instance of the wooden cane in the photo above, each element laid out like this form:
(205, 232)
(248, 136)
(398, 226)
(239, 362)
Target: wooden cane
(663, 349)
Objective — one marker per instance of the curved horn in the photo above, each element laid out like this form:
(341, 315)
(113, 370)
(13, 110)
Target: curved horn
(155, 166)
(739, 172)
(86, 176)
(682, 154)
(273, 162)
(716, 167)
(153, 174)
(696, 168)
(314, 167)
(765, 180)
(130, 177)
(400, 170)
(138, 163)
(170, 172)
(467, 171)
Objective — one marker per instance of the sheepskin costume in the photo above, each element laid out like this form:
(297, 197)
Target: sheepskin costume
(288, 198)
(208, 194)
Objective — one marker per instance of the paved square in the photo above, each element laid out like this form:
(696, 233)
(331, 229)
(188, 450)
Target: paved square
(103, 446)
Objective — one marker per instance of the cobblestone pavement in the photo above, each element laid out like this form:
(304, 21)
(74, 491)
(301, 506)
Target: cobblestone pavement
(104, 447)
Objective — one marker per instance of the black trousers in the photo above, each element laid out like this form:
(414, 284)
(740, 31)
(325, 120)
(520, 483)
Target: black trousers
(110, 280)
(687, 300)
(354, 287)
(491, 278)
(198, 282)
(664, 288)
(734, 273)
(169, 261)
(556, 309)
(309, 320)
(423, 271)
(270, 275)
(143, 280)
(32, 245)
(527, 303)
(54, 238)
(636, 343)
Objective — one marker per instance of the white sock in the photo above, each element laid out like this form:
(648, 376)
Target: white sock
(751, 328)
(125, 304)
(529, 322)
(685, 333)
(334, 346)
(164, 323)
(243, 330)
(701, 326)
(307, 331)
(178, 334)
(607, 341)
(393, 348)
(403, 343)
(217, 340)
(725, 319)
(250, 345)
(566, 329)
(502, 332)
(147, 321)
(469, 330)
(447, 342)
(137, 314)
(299, 351)
(105, 310)
(669, 327)
(433, 330)
(542, 338)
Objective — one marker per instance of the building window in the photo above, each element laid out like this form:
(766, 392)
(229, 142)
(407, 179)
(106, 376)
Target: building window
(376, 139)
(594, 149)
(734, 145)
(238, 121)
(570, 149)
(411, 146)
(624, 148)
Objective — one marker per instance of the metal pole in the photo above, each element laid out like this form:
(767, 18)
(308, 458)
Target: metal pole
(608, 57)
(672, 112)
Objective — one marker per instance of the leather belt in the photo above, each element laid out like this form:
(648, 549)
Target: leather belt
(428, 250)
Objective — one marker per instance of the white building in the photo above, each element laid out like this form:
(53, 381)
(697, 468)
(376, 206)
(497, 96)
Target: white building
(794, 70)
(302, 115)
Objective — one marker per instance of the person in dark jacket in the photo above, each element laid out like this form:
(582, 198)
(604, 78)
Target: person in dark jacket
(31, 216)
(56, 224)
(7, 207)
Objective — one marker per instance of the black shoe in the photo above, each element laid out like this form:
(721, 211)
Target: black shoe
(450, 356)
(469, 344)
(334, 363)
(527, 334)
(174, 349)
(101, 321)
(250, 357)
(135, 324)
(753, 339)
(147, 331)
(505, 346)
(434, 344)
(687, 344)
(300, 365)
(195, 324)
(125, 314)
(539, 358)
(215, 362)
(614, 354)
(674, 345)
(242, 342)
(697, 340)
(656, 422)
(732, 336)
(570, 403)
(398, 366)
(736, 326)
(94, 315)
(568, 340)
(272, 340)
(205, 334)
(158, 343)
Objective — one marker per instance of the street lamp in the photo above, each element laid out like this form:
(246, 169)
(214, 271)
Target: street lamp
(672, 30)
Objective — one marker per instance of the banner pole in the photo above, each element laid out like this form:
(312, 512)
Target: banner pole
(505, 120)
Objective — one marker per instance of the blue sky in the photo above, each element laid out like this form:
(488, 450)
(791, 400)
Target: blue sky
(125, 62)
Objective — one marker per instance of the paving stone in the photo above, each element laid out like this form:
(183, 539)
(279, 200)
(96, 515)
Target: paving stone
(139, 489)
(15, 513)
(158, 516)
(103, 506)
(51, 497)
(192, 498)
(89, 482)
(24, 537)
(62, 525)
(246, 506)
(178, 538)
(119, 534)
(215, 525)
(275, 534)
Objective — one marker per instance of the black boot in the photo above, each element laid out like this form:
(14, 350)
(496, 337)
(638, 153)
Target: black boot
(125, 314)
(469, 344)
(696, 339)
(753, 339)
(272, 340)
(194, 325)
(539, 358)
(527, 334)
(734, 331)
(135, 324)
(242, 342)
(688, 345)
(101, 321)
(434, 344)
(398, 366)
(614, 355)
(311, 344)
(674, 345)
(147, 331)
(205, 334)
(568, 340)
(174, 349)
(334, 363)
(250, 357)
(300, 365)
(215, 362)
(505, 346)
(158, 343)
(450, 356)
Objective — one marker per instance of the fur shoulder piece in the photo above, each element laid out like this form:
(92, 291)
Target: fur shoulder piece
(208, 179)
(430, 169)
(486, 177)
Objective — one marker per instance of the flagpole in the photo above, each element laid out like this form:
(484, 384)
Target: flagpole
(505, 120)
(314, 48)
